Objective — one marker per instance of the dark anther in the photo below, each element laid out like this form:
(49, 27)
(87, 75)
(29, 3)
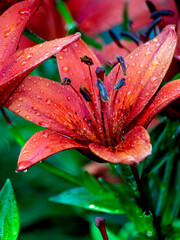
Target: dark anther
(119, 84)
(85, 93)
(151, 6)
(66, 81)
(100, 224)
(152, 25)
(87, 60)
(132, 36)
(100, 73)
(115, 39)
(123, 64)
(102, 90)
(156, 14)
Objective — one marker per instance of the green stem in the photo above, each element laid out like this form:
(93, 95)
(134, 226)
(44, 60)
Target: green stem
(60, 173)
(71, 24)
(32, 36)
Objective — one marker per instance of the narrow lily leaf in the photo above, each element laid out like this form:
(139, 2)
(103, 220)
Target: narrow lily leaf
(81, 197)
(20, 64)
(42, 145)
(142, 222)
(9, 216)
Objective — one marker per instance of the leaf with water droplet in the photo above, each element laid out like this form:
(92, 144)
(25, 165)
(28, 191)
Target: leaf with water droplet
(9, 217)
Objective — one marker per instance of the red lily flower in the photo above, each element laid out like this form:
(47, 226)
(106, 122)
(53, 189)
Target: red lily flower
(16, 65)
(79, 114)
(177, 52)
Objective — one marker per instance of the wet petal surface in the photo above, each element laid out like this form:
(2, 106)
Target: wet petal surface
(42, 145)
(132, 149)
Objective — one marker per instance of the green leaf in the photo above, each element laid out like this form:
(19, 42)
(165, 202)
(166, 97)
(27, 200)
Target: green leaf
(81, 197)
(176, 77)
(91, 183)
(9, 216)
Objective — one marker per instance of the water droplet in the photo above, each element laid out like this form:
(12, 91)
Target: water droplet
(60, 57)
(25, 151)
(155, 40)
(47, 84)
(20, 99)
(27, 117)
(65, 69)
(37, 114)
(155, 62)
(17, 111)
(8, 32)
(147, 53)
(44, 124)
(23, 63)
(29, 56)
(24, 11)
(153, 79)
(45, 134)
(48, 101)
(133, 64)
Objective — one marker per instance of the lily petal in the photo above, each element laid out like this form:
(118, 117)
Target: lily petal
(71, 66)
(167, 94)
(146, 67)
(177, 51)
(133, 148)
(13, 21)
(20, 64)
(42, 145)
(53, 106)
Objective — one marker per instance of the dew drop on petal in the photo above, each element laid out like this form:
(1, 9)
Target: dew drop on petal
(20, 99)
(44, 124)
(155, 62)
(153, 79)
(45, 134)
(147, 53)
(68, 98)
(24, 11)
(65, 69)
(48, 101)
(27, 117)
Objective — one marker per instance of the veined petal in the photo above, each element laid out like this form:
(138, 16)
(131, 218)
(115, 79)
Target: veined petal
(71, 66)
(53, 106)
(177, 51)
(23, 62)
(146, 67)
(134, 147)
(42, 145)
(167, 94)
(13, 22)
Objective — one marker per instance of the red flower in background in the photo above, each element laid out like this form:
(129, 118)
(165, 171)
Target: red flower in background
(16, 65)
(83, 116)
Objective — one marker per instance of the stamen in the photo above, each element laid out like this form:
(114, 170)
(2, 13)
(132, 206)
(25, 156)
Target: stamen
(85, 93)
(123, 64)
(87, 60)
(117, 41)
(132, 36)
(151, 6)
(66, 81)
(119, 84)
(102, 90)
(152, 25)
(156, 14)
(100, 73)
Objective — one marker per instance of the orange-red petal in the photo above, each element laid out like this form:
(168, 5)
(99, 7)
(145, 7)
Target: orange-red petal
(53, 106)
(146, 67)
(167, 94)
(20, 64)
(133, 148)
(42, 145)
(177, 51)
(13, 22)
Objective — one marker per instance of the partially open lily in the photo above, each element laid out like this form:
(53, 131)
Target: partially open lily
(102, 117)
(16, 65)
